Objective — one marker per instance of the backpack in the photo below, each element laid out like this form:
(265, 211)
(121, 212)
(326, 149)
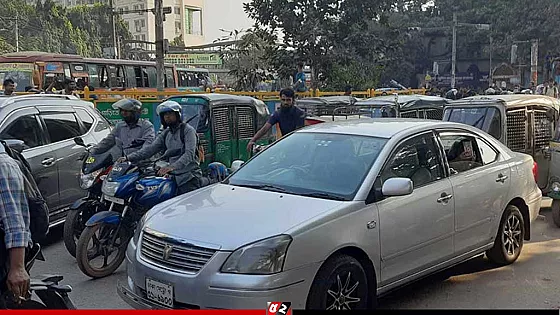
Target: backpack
(199, 152)
(38, 209)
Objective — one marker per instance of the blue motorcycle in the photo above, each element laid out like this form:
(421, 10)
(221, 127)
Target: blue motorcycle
(131, 191)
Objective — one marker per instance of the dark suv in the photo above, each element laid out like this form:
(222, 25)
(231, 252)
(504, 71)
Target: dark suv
(47, 125)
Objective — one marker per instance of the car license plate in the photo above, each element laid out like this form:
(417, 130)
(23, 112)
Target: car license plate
(114, 199)
(159, 292)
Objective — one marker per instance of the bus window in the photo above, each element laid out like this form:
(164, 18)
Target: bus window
(103, 77)
(93, 75)
(20, 73)
(67, 73)
(145, 82)
(169, 78)
(152, 76)
(130, 77)
(117, 76)
(138, 77)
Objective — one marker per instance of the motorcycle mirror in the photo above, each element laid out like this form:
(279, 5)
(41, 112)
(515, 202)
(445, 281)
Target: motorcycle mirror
(79, 141)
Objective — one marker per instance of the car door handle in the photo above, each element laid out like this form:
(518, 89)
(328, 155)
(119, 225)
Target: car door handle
(501, 178)
(48, 161)
(444, 198)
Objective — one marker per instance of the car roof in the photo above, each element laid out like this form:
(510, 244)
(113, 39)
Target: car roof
(24, 100)
(509, 100)
(381, 127)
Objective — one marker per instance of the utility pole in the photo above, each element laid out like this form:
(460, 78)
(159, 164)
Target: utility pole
(158, 12)
(454, 51)
(17, 33)
(490, 69)
(114, 28)
(534, 60)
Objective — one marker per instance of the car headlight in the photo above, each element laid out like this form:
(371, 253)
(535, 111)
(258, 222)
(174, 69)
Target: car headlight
(555, 187)
(87, 180)
(263, 257)
(109, 188)
(139, 228)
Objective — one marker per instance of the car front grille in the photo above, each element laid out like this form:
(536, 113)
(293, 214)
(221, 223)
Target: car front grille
(173, 254)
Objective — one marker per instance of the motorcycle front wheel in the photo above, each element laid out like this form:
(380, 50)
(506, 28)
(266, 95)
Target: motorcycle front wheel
(101, 249)
(74, 225)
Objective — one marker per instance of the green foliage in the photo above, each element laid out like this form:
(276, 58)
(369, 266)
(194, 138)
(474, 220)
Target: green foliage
(45, 26)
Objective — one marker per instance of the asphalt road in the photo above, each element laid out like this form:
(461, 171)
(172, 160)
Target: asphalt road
(532, 282)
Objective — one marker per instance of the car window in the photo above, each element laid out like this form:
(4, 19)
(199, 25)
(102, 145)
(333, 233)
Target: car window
(417, 159)
(26, 129)
(487, 153)
(495, 128)
(61, 126)
(462, 152)
(313, 163)
(86, 118)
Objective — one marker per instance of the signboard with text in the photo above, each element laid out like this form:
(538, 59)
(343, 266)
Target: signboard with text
(193, 59)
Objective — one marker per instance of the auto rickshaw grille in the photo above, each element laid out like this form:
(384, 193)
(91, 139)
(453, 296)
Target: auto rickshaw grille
(436, 114)
(221, 124)
(245, 123)
(409, 114)
(517, 130)
(543, 130)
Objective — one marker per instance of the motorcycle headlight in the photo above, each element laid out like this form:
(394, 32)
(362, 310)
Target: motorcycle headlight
(263, 257)
(87, 180)
(139, 228)
(109, 188)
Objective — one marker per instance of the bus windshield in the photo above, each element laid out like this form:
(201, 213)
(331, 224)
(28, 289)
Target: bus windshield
(20, 73)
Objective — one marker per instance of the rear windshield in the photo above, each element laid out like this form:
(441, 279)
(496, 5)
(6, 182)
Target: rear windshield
(487, 119)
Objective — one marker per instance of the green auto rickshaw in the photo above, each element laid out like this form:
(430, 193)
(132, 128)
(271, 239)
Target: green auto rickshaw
(225, 124)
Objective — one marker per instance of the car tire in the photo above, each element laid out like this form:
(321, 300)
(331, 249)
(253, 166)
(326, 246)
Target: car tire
(509, 240)
(340, 283)
(556, 212)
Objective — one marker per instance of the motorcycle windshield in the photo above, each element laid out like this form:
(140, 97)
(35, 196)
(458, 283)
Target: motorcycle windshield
(119, 169)
(95, 162)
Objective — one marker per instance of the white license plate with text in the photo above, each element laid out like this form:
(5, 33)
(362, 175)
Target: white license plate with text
(158, 292)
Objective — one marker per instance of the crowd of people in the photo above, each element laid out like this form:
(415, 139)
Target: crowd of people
(549, 88)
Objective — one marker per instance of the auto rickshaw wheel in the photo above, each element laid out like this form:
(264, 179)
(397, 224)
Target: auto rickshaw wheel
(556, 212)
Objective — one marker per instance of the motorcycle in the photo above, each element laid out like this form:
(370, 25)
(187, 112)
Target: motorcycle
(52, 294)
(95, 168)
(135, 189)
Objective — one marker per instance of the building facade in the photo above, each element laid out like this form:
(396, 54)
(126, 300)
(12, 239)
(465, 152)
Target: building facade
(184, 22)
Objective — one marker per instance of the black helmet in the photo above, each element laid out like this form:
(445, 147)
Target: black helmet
(128, 104)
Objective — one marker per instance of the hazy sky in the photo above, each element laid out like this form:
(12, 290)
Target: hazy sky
(226, 14)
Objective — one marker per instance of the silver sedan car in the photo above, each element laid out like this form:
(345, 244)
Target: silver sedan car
(333, 216)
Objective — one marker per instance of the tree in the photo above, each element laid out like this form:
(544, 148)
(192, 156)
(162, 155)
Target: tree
(83, 30)
(248, 60)
(341, 38)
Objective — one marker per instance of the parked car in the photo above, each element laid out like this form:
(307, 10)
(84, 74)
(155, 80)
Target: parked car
(333, 216)
(47, 125)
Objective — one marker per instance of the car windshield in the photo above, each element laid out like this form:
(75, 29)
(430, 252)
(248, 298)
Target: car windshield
(484, 118)
(322, 165)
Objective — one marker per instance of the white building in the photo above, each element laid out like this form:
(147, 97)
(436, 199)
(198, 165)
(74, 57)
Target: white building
(185, 20)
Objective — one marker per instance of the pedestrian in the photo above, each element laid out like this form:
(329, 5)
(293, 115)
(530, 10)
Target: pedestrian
(288, 116)
(299, 79)
(14, 229)
(9, 87)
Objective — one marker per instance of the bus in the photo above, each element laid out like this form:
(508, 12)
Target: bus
(40, 69)
(193, 79)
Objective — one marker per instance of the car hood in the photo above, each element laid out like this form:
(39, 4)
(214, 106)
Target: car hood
(227, 217)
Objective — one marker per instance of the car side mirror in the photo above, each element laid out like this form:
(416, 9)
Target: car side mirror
(397, 186)
(16, 145)
(79, 141)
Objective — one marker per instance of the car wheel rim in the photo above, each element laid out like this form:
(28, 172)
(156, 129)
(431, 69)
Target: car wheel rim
(341, 294)
(512, 235)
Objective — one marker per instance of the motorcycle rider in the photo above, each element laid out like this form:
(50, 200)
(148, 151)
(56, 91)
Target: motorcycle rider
(127, 131)
(187, 166)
